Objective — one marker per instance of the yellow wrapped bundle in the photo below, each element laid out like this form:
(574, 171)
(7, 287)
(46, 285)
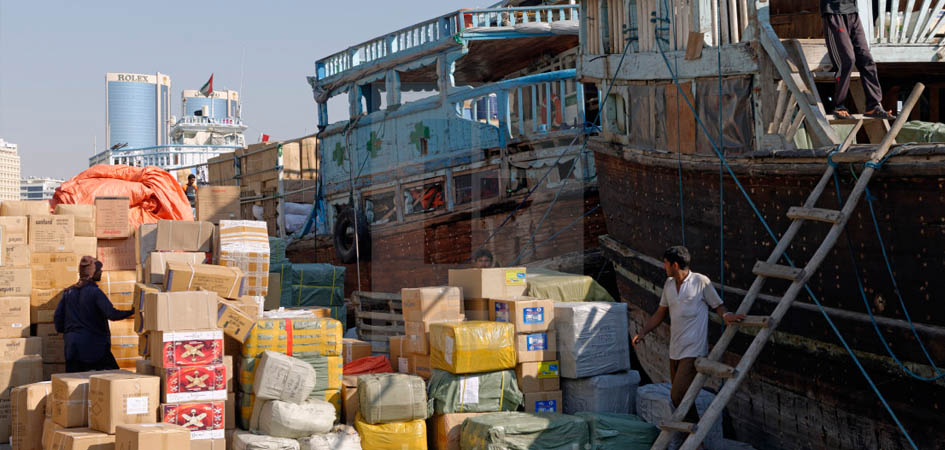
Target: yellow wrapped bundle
(295, 337)
(392, 436)
(470, 347)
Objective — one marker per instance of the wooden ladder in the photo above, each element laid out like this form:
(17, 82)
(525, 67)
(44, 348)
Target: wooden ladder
(733, 376)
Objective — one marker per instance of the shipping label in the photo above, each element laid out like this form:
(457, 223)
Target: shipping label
(195, 383)
(470, 391)
(548, 369)
(546, 406)
(514, 278)
(205, 420)
(502, 312)
(536, 341)
(533, 315)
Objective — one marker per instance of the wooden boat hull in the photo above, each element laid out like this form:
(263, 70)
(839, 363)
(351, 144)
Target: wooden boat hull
(804, 391)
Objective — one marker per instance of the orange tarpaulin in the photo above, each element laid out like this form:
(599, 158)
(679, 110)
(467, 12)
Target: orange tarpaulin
(154, 193)
(368, 364)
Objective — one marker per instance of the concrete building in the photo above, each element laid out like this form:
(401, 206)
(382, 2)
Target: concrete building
(9, 171)
(35, 188)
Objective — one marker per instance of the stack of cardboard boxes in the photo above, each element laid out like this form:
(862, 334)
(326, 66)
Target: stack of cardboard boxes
(20, 364)
(423, 307)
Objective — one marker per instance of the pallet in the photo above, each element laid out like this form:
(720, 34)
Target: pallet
(378, 316)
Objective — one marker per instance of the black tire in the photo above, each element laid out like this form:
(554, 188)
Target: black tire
(343, 235)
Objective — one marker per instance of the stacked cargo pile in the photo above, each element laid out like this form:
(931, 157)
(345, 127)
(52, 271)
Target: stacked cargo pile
(306, 286)
(422, 307)
(393, 407)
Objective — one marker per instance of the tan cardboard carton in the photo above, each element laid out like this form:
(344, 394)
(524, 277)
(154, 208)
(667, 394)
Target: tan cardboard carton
(354, 349)
(431, 303)
(49, 429)
(208, 444)
(119, 287)
(528, 314)
(14, 317)
(420, 365)
(15, 230)
(28, 412)
(543, 402)
(138, 303)
(53, 345)
(541, 376)
(476, 308)
(123, 398)
(85, 246)
(233, 321)
(54, 270)
(43, 303)
(229, 410)
(70, 398)
(145, 241)
(24, 208)
(156, 436)
(418, 334)
(179, 311)
(448, 428)
(227, 282)
(16, 255)
(156, 263)
(282, 377)
(541, 346)
(15, 348)
(111, 217)
(216, 203)
(489, 283)
(15, 281)
(397, 350)
(51, 234)
(117, 254)
(81, 439)
(351, 404)
(144, 367)
(18, 372)
(184, 236)
(84, 218)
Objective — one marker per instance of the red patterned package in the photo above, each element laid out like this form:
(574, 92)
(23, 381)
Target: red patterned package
(194, 383)
(205, 420)
(186, 348)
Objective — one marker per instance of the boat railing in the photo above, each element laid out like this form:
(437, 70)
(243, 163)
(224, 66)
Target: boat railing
(201, 120)
(898, 23)
(510, 17)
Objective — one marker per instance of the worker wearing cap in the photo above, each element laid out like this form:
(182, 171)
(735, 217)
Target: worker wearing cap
(82, 317)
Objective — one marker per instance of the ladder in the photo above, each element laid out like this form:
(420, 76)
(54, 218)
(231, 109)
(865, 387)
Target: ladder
(733, 376)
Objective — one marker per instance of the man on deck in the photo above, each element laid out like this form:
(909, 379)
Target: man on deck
(847, 46)
(687, 296)
(190, 189)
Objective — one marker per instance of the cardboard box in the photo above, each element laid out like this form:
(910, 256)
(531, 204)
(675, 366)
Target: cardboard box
(15, 230)
(15, 348)
(252, 306)
(119, 287)
(138, 303)
(351, 404)
(194, 383)
(157, 436)
(216, 203)
(54, 270)
(542, 346)
(144, 367)
(144, 346)
(50, 369)
(49, 429)
(124, 327)
(353, 349)
(528, 314)
(418, 335)
(229, 422)
(117, 254)
(84, 218)
(448, 429)
(51, 234)
(540, 376)
(234, 322)
(227, 282)
(112, 217)
(14, 317)
(476, 308)
(431, 303)
(28, 412)
(185, 348)
(69, 406)
(18, 372)
(184, 236)
(205, 420)
(420, 365)
(156, 263)
(81, 439)
(85, 246)
(15, 281)
(122, 398)
(43, 303)
(500, 282)
(54, 350)
(179, 311)
(397, 350)
(207, 444)
(244, 244)
(543, 402)
(16, 255)
(24, 208)
(145, 241)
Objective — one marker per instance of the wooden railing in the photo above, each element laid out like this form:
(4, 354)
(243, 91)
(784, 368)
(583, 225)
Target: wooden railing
(509, 17)
(904, 22)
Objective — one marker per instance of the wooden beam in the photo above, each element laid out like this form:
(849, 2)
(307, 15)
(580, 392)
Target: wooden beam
(694, 45)
(714, 368)
(777, 271)
(817, 214)
(738, 59)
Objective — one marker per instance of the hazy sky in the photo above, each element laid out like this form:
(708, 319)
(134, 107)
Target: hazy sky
(54, 56)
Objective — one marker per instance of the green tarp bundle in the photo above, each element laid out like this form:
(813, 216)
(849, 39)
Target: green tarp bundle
(610, 431)
(916, 131)
(312, 285)
(565, 287)
(525, 431)
(276, 251)
(474, 392)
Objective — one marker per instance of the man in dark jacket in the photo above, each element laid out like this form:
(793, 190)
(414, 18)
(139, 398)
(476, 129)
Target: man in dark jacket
(848, 47)
(82, 317)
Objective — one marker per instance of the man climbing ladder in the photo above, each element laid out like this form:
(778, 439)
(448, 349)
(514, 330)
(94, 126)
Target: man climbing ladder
(847, 46)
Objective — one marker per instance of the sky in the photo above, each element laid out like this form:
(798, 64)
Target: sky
(54, 56)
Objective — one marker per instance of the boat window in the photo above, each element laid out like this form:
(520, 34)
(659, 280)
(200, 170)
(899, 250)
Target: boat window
(338, 108)
(419, 83)
(380, 208)
(424, 198)
(483, 109)
(475, 187)
(374, 96)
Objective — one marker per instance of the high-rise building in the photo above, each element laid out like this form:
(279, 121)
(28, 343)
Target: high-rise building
(9, 171)
(36, 188)
(137, 110)
(209, 120)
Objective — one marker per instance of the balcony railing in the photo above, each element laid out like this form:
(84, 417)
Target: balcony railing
(915, 22)
(201, 120)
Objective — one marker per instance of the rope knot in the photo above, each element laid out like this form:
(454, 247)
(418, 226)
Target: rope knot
(874, 165)
(830, 160)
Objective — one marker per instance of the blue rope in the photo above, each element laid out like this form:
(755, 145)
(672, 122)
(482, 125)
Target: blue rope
(788, 259)
(682, 204)
(718, 43)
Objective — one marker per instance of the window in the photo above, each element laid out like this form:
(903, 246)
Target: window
(475, 187)
(373, 96)
(424, 198)
(380, 208)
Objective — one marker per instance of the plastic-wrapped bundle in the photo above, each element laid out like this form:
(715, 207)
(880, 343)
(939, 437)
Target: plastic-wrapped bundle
(282, 377)
(476, 392)
(592, 338)
(342, 437)
(393, 436)
(276, 251)
(244, 440)
(612, 393)
(303, 336)
(295, 420)
(470, 347)
(525, 431)
(391, 397)
(654, 405)
(619, 431)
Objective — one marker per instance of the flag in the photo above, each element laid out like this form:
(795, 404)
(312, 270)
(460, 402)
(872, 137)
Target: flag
(264, 138)
(207, 88)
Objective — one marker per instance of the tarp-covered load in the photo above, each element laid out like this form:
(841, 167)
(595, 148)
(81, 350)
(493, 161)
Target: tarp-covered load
(564, 287)
(525, 431)
(391, 397)
(312, 285)
(475, 392)
(470, 347)
(611, 393)
(611, 431)
(295, 337)
(654, 405)
(244, 440)
(295, 420)
(342, 437)
(592, 338)
(154, 194)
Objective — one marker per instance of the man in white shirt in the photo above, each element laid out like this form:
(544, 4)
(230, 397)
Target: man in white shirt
(687, 296)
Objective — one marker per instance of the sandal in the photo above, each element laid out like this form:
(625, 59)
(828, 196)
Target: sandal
(880, 113)
(842, 113)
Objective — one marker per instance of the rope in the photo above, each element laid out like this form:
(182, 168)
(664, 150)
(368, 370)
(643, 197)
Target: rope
(718, 46)
(771, 233)
(682, 209)
(556, 233)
